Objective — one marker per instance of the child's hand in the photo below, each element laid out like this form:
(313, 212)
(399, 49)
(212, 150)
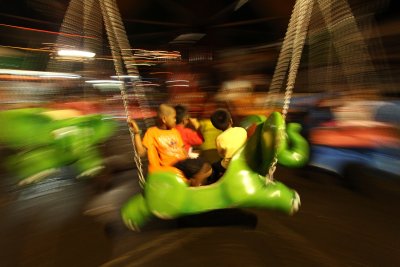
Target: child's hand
(194, 122)
(133, 125)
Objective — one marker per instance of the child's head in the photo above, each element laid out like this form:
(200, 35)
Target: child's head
(182, 115)
(198, 170)
(167, 116)
(221, 119)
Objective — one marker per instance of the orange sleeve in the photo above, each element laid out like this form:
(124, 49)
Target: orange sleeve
(148, 139)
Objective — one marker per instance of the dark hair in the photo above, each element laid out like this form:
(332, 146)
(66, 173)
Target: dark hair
(181, 113)
(190, 167)
(221, 119)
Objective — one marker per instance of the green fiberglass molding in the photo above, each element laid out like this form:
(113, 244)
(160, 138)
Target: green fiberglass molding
(244, 184)
(44, 144)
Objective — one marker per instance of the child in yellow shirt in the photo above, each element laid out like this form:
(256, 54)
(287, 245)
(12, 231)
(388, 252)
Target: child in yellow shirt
(227, 143)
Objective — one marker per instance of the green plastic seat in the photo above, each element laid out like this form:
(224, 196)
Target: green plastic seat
(25, 127)
(167, 196)
(43, 144)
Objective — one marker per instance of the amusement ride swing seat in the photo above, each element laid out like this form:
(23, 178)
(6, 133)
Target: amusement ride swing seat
(167, 195)
(45, 140)
(248, 180)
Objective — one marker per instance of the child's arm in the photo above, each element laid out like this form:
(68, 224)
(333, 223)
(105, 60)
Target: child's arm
(221, 152)
(194, 138)
(195, 123)
(140, 149)
(221, 149)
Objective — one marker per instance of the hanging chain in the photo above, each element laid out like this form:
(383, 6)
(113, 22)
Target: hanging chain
(110, 13)
(132, 71)
(129, 60)
(298, 25)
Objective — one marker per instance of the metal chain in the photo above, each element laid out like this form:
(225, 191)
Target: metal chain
(301, 16)
(132, 70)
(283, 61)
(128, 60)
(110, 12)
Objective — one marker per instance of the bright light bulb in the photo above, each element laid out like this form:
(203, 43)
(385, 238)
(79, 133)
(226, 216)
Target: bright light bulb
(75, 53)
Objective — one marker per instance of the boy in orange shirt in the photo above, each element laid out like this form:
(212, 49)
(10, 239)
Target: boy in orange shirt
(164, 147)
